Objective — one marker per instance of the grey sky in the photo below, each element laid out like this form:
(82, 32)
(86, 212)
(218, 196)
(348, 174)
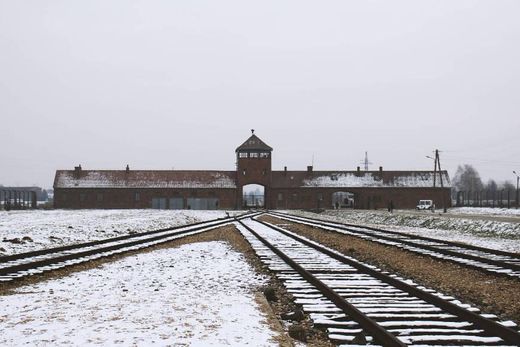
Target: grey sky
(162, 84)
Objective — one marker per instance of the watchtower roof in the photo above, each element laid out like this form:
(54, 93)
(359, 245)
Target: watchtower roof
(255, 144)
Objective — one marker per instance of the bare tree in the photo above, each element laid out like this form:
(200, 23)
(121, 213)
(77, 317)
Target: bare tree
(491, 186)
(507, 185)
(467, 179)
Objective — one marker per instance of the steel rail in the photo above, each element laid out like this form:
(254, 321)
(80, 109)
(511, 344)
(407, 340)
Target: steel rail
(499, 263)
(380, 334)
(507, 334)
(59, 259)
(425, 238)
(45, 251)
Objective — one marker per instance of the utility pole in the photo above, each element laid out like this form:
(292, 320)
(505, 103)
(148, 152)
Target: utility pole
(517, 181)
(438, 159)
(437, 163)
(435, 167)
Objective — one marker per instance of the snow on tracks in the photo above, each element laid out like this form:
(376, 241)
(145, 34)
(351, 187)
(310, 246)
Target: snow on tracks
(63, 227)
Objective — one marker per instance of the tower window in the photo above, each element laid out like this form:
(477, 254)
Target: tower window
(264, 155)
(253, 155)
(242, 155)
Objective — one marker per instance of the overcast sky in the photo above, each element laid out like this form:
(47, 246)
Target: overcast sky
(179, 84)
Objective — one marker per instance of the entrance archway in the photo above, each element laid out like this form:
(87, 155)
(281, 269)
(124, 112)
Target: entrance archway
(253, 196)
(342, 200)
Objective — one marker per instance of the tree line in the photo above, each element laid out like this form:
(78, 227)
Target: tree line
(467, 179)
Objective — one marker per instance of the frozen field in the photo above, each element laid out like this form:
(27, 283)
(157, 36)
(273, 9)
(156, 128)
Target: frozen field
(198, 295)
(491, 234)
(22, 231)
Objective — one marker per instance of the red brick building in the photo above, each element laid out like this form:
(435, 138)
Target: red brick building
(174, 189)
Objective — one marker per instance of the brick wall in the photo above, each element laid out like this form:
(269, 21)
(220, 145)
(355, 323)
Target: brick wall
(365, 198)
(105, 198)
(253, 171)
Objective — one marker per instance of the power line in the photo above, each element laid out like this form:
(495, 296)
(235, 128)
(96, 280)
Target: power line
(482, 160)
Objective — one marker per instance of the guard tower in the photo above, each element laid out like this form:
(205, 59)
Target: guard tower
(253, 165)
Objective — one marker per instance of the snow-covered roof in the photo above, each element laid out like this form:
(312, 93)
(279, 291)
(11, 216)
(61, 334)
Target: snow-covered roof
(354, 179)
(144, 179)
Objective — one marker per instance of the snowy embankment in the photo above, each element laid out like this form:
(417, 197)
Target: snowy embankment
(507, 212)
(198, 294)
(480, 232)
(22, 231)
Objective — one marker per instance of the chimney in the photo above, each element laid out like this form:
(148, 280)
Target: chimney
(309, 169)
(358, 171)
(381, 170)
(285, 170)
(127, 168)
(77, 171)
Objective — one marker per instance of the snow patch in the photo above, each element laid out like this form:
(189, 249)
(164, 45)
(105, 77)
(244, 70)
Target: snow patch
(198, 294)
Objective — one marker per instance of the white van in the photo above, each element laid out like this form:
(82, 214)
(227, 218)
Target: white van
(425, 205)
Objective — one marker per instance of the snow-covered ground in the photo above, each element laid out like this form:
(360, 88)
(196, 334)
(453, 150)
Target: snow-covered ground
(485, 233)
(22, 231)
(198, 295)
(507, 212)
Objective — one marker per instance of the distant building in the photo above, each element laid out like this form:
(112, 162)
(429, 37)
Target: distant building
(21, 197)
(175, 189)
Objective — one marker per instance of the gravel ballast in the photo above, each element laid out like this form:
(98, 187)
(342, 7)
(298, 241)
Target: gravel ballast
(492, 294)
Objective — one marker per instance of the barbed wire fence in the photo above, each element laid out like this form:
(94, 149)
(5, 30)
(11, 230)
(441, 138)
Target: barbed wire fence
(504, 198)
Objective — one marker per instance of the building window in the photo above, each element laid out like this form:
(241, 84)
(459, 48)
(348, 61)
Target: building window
(253, 155)
(64, 197)
(137, 196)
(264, 172)
(319, 196)
(244, 172)
(82, 196)
(280, 196)
(99, 197)
(242, 155)
(295, 197)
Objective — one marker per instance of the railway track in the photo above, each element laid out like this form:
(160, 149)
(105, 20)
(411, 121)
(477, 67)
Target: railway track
(483, 259)
(21, 265)
(358, 304)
